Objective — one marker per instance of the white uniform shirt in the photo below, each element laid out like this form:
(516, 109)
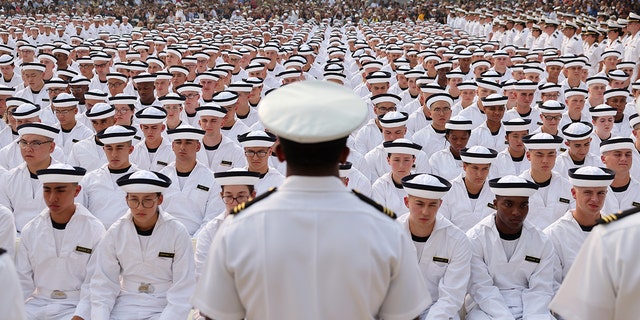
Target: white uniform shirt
(7, 231)
(501, 288)
(272, 179)
(617, 201)
(445, 262)
(463, 211)
(88, 154)
(564, 163)
(357, 246)
(474, 114)
(205, 238)
(40, 99)
(417, 120)
(66, 140)
(154, 161)
(234, 131)
(431, 140)
(10, 156)
(222, 157)
(368, 137)
(11, 302)
(387, 193)
(377, 164)
(125, 260)
(547, 206)
(482, 136)
(250, 118)
(43, 267)
(442, 163)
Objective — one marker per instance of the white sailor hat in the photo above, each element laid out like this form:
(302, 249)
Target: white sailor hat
(207, 76)
(610, 53)
(512, 186)
(618, 75)
(47, 56)
(6, 91)
(186, 132)
(542, 141)
(403, 146)
(96, 94)
(172, 98)
(155, 60)
(597, 80)
(393, 119)
(575, 92)
(56, 83)
(438, 97)
(144, 77)
(237, 177)
(427, 186)
(467, 85)
(100, 111)
(488, 84)
(532, 69)
(551, 106)
(40, 129)
(459, 123)
(151, 115)
(371, 65)
(312, 111)
(144, 181)
(211, 110)
(225, 98)
(414, 73)
(455, 74)
(574, 63)
(180, 69)
(116, 134)
(591, 176)
(625, 64)
(548, 87)
(122, 98)
(28, 47)
(334, 76)
(257, 139)
(65, 100)
(289, 74)
(577, 130)
(516, 124)
(431, 87)
(616, 143)
(79, 80)
(509, 84)
(442, 65)
(240, 86)
(554, 62)
(6, 60)
(378, 77)
(33, 67)
(26, 110)
(633, 120)
(100, 57)
(494, 100)
(253, 67)
(602, 110)
(163, 75)
(61, 173)
(174, 51)
(483, 62)
(526, 85)
(386, 97)
(185, 87)
(636, 85)
(478, 155)
(615, 93)
(116, 76)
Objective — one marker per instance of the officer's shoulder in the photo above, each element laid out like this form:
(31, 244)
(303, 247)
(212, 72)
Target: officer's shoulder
(239, 208)
(610, 218)
(386, 211)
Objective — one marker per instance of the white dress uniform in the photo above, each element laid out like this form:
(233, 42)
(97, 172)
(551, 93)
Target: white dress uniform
(15, 82)
(153, 161)
(362, 242)
(251, 118)
(554, 40)
(444, 164)
(7, 231)
(66, 140)
(482, 136)
(21, 192)
(237, 129)
(143, 277)
(550, 202)
(567, 237)
(463, 211)
(520, 287)
(431, 140)
(474, 114)
(572, 46)
(388, 193)
(616, 201)
(50, 259)
(607, 258)
(359, 182)
(368, 137)
(632, 48)
(417, 120)
(10, 156)
(445, 264)
(272, 179)
(11, 302)
(564, 162)
(87, 154)
(205, 238)
(40, 98)
(534, 116)
(377, 164)
(193, 200)
(226, 155)
(102, 196)
(7, 137)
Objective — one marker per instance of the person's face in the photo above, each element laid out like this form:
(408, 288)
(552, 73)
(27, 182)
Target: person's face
(532, 76)
(233, 195)
(542, 160)
(7, 70)
(603, 124)
(475, 174)
(211, 124)
(458, 139)
(597, 90)
(66, 116)
(173, 111)
(138, 203)
(378, 88)
(616, 84)
(579, 148)
(401, 164)
(589, 200)
(575, 103)
(467, 95)
(101, 124)
(618, 160)
(152, 132)
(257, 157)
(27, 55)
(123, 114)
(185, 149)
(494, 113)
(54, 92)
(162, 85)
(35, 148)
(32, 78)
(550, 96)
(178, 78)
(440, 112)
(479, 70)
(383, 107)
(115, 86)
(118, 154)
(554, 71)
(510, 213)
(146, 90)
(618, 102)
(551, 120)
(422, 211)
(514, 139)
(101, 67)
(86, 70)
(524, 97)
(501, 61)
(484, 92)
(59, 197)
(208, 85)
(153, 68)
(390, 134)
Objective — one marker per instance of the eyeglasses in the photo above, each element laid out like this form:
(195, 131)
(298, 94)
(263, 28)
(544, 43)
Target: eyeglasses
(63, 111)
(551, 95)
(546, 117)
(146, 203)
(33, 144)
(100, 65)
(85, 66)
(79, 89)
(114, 85)
(122, 110)
(175, 108)
(443, 110)
(191, 96)
(238, 199)
(260, 154)
(55, 90)
(383, 109)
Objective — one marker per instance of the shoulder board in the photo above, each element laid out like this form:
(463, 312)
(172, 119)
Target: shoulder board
(2, 251)
(247, 204)
(617, 216)
(575, 38)
(555, 35)
(374, 204)
(595, 45)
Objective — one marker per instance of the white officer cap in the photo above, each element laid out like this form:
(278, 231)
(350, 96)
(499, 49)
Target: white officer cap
(312, 111)
(61, 173)
(542, 141)
(257, 139)
(428, 186)
(478, 155)
(590, 176)
(512, 186)
(144, 181)
(38, 128)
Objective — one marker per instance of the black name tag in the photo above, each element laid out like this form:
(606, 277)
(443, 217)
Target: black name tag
(563, 149)
(83, 249)
(532, 259)
(162, 163)
(166, 254)
(491, 205)
(137, 138)
(226, 163)
(201, 187)
(74, 140)
(563, 200)
(438, 259)
(635, 204)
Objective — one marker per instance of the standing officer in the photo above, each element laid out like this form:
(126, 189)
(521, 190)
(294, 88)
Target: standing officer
(362, 273)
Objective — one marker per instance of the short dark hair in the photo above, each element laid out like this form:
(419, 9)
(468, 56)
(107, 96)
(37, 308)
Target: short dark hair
(249, 186)
(322, 154)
